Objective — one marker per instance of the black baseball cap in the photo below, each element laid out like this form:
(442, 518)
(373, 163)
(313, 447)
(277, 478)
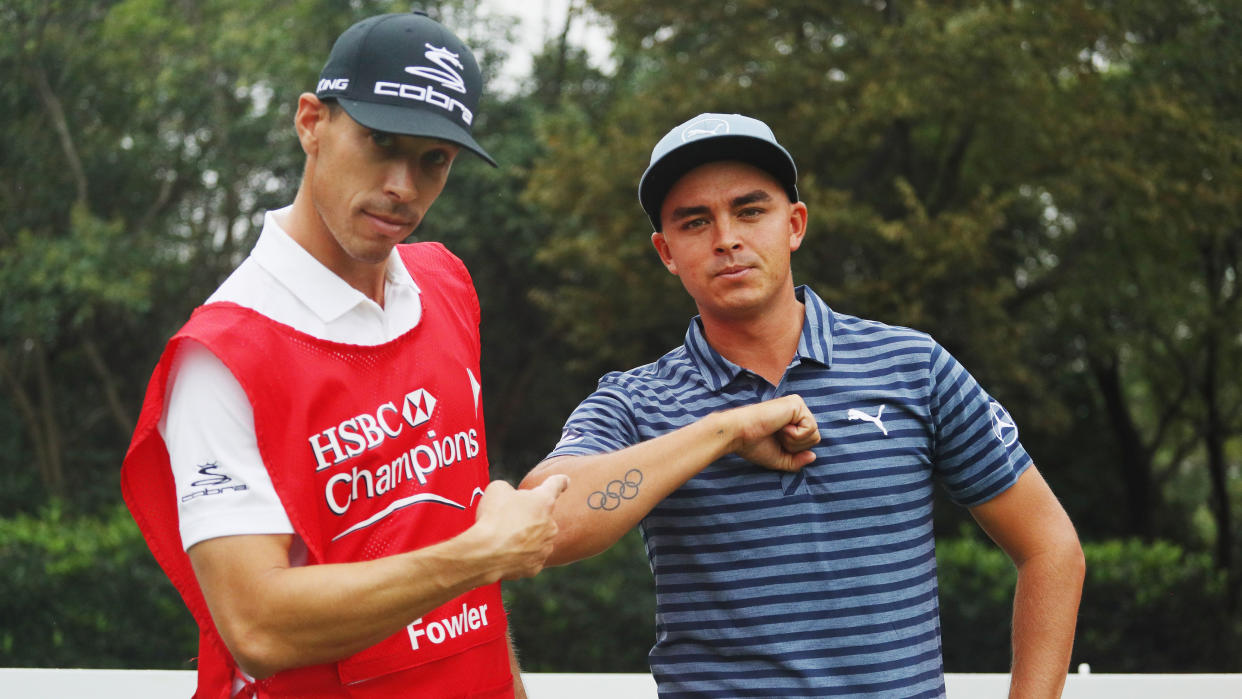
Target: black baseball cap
(405, 74)
(707, 138)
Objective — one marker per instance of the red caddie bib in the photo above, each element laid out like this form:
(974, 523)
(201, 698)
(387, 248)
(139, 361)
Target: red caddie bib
(373, 451)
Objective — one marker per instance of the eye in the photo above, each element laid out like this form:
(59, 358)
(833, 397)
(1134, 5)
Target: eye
(750, 212)
(437, 158)
(383, 140)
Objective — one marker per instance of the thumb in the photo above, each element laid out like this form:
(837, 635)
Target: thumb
(554, 485)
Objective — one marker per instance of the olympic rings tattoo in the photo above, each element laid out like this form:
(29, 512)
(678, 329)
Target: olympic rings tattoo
(611, 496)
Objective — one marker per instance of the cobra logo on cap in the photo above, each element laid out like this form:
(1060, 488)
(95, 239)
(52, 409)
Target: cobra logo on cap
(703, 128)
(447, 75)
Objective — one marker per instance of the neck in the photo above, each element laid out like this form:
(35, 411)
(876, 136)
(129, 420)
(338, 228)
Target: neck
(304, 224)
(764, 343)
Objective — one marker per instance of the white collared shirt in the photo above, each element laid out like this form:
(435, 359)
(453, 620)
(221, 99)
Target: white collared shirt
(208, 423)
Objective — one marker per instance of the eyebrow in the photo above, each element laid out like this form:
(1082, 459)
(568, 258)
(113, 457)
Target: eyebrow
(749, 198)
(687, 211)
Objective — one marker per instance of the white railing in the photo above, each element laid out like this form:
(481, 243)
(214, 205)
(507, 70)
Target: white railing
(161, 684)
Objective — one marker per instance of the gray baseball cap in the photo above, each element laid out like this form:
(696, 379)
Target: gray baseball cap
(707, 138)
(406, 74)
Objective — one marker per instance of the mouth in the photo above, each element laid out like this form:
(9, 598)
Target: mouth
(733, 272)
(389, 225)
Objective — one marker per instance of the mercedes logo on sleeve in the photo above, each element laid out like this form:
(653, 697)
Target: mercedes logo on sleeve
(1003, 426)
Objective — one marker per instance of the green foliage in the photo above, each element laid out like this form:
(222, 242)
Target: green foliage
(1156, 608)
(976, 603)
(596, 615)
(1050, 189)
(59, 284)
(83, 591)
(1145, 608)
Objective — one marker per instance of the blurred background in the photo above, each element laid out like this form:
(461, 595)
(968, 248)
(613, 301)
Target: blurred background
(1052, 189)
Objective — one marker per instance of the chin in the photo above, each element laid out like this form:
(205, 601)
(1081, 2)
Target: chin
(370, 254)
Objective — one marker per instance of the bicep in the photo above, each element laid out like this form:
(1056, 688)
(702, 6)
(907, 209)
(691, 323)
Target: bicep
(1026, 519)
(232, 572)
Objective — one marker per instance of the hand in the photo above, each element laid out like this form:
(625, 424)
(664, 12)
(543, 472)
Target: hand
(519, 524)
(776, 434)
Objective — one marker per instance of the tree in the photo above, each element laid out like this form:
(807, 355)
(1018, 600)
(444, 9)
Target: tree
(144, 141)
(1152, 201)
(1016, 179)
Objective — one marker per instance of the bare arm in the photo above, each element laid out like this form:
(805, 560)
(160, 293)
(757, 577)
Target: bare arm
(273, 616)
(1030, 525)
(609, 493)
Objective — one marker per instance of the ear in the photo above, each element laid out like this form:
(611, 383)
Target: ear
(661, 245)
(311, 113)
(797, 225)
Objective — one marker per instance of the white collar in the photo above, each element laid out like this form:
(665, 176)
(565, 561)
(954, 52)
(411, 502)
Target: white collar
(324, 293)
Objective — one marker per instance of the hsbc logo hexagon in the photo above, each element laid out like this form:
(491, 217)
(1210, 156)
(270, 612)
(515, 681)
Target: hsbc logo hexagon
(419, 404)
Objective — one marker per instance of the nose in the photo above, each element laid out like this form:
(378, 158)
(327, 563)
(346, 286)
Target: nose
(727, 239)
(401, 182)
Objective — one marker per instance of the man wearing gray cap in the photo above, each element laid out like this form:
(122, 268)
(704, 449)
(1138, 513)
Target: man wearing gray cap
(814, 575)
(310, 466)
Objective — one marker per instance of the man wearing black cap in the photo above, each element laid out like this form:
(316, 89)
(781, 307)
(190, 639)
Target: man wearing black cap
(816, 575)
(310, 466)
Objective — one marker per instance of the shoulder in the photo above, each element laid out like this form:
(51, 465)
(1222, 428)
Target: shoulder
(870, 337)
(247, 285)
(667, 373)
(437, 271)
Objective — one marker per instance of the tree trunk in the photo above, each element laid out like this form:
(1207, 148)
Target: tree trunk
(1136, 464)
(1214, 441)
(60, 124)
(116, 407)
(1214, 429)
(37, 419)
(55, 472)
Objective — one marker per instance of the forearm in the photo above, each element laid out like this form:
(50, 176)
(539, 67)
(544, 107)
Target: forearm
(1030, 525)
(609, 494)
(273, 616)
(1045, 614)
(282, 617)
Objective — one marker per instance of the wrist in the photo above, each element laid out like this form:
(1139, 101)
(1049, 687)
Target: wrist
(470, 558)
(722, 432)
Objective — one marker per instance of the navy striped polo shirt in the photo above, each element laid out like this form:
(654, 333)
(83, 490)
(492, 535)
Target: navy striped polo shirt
(823, 582)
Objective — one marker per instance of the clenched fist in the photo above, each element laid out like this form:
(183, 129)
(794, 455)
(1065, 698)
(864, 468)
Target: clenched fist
(519, 525)
(776, 434)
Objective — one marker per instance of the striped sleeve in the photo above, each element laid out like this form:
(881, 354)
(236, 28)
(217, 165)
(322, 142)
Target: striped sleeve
(977, 454)
(602, 423)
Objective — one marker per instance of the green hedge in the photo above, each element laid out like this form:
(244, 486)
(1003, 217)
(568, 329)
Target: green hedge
(1145, 608)
(596, 615)
(85, 592)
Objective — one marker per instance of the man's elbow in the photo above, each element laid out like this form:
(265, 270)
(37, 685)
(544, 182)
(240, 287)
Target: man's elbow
(1075, 562)
(257, 652)
(541, 472)
(1064, 559)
